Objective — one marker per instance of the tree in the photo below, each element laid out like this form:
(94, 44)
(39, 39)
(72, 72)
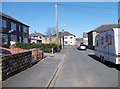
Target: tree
(50, 31)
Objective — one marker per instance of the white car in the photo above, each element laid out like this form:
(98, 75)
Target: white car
(82, 47)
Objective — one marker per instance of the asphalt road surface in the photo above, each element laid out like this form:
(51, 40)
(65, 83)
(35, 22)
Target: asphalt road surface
(82, 69)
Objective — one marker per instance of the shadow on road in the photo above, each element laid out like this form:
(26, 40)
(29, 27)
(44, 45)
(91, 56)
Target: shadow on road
(108, 64)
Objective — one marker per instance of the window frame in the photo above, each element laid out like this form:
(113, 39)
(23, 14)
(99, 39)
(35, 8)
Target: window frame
(71, 37)
(65, 37)
(4, 23)
(109, 39)
(13, 26)
(25, 30)
(13, 38)
(19, 28)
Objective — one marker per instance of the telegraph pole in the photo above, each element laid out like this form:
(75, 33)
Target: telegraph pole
(57, 35)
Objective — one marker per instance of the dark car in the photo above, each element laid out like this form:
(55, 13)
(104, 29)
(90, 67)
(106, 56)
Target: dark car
(82, 47)
(4, 52)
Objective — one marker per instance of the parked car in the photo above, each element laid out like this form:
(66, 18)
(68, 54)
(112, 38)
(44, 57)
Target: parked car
(4, 52)
(82, 47)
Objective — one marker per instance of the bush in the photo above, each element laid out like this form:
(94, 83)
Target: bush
(45, 47)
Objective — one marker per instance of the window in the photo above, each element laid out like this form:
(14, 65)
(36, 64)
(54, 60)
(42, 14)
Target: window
(4, 39)
(39, 41)
(109, 40)
(50, 39)
(25, 39)
(66, 42)
(20, 39)
(4, 23)
(40, 37)
(106, 39)
(14, 38)
(25, 29)
(45, 39)
(13, 26)
(19, 28)
(65, 37)
(70, 37)
(102, 41)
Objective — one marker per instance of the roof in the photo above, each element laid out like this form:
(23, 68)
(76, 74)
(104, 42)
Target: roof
(105, 27)
(65, 33)
(9, 17)
(36, 34)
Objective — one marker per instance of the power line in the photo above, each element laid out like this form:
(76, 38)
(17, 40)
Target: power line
(77, 7)
(72, 5)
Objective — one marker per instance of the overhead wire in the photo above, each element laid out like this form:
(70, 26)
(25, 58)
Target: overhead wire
(81, 6)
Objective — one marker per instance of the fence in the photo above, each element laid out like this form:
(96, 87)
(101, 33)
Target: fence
(19, 61)
(14, 63)
(37, 55)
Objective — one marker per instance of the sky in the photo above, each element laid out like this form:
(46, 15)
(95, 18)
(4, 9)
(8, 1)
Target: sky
(75, 17)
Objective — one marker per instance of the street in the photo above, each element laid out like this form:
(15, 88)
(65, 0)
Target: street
(79, 69)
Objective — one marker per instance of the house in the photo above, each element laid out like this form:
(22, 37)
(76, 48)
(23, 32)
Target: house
(78, 41)
(67, 38)
(49, 40)
(36, 37)
(119, 22)
(64, 37)
(12, 30)
(85, 38)
(92, 34)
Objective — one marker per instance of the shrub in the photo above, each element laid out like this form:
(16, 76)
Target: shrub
(45, 47)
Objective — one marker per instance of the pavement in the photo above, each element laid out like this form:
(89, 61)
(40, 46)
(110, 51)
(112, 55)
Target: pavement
(39, 75)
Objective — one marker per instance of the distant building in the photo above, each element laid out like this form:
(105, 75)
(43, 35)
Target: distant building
(68, 38)
(78, 41)
(49, 40)
(85, 38)
(91, 39)
(92, 34)
(36, 37)
(12, 30)
(119, 22)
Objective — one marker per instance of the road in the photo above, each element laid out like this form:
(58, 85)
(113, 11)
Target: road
(80, 69)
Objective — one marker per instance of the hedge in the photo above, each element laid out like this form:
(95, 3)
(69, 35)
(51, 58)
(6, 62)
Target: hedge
(44, 47)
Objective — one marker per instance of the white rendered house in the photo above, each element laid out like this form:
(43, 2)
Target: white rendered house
(70, 40)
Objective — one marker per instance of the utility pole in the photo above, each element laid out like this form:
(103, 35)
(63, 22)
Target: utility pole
(57, 35)
(63, 38)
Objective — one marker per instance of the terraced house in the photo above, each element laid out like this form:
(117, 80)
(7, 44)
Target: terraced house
(12, 30)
